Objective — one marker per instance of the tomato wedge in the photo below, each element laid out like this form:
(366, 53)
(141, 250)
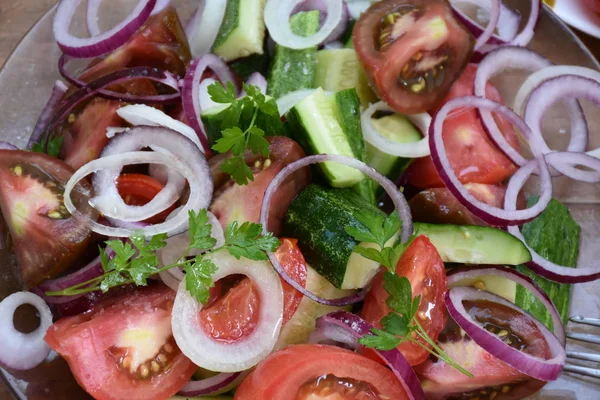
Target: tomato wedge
(473, 156)
(123, 348)
(139, 189)
(311, 371)
(412, 51)
(424, 268)
(234, 315)
(46, 239)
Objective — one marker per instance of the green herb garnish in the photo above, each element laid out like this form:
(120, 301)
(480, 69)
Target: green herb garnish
(50, 145)
(135, 260)
(400, 325)
(239, 128)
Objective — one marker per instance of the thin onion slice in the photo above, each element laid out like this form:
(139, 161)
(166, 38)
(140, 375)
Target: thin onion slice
(99, 44)
(7, 146)
(486, 34)
(347, 328)
(209, 386)
(357, 7)
(545, 370)
(286, 102)
(460, 274)
(385, 145)
(200, 191)
(93, 6)
(277, 17)
(492, 215)
(206, 101)
(256, 79)
(203, 28)
(507, 25)
(396, 196)
(245, 353)
(47, 113)
(20, 350)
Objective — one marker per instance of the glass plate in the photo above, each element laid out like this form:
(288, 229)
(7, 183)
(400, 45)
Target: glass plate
(31, 70)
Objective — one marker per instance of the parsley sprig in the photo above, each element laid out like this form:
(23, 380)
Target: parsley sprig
(135, 260)
(50, 145)
(239, 127)
(401, 324)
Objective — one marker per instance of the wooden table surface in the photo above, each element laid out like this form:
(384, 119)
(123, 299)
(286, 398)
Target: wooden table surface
(18, 16)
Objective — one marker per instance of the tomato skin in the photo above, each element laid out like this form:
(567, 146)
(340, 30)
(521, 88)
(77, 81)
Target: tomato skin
(473, 156)
(281, 374)
(385, 66)
(593, 5)
(45, 244)
(425, 270)
(291, 259)
(87, 343)
(139, 189)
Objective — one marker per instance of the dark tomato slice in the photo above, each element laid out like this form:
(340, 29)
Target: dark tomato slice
(235, 315)
(310, 371)
(46, 239)
(412, 51)
(233, 202)
(439, 206)
(493, 378)
(139, 189)
(425, 270)
(123, 348)
(473, 156)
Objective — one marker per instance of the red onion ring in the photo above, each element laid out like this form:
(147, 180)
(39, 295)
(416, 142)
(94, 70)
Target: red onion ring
(23, 351)
(190, 92)
(58, 91)
(507, 25)
(91, 17)
(169, 80)
(395, 195)
(203, 27)
(99, 44)
(459, 274)
(508, 58)
(544, 370)
(7, 146)
(491, 215)
(347, 328)
(321, 5)
(208, 386)
(258, 80)
(483, 35)
(93, 87)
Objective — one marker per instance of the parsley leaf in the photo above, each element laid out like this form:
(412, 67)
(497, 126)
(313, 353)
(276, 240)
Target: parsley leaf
(53, 147)
(200, 231)
(380, 340)
(198, 278)
(233, 139)
(220, 94)
(246, 241)
(238, 169)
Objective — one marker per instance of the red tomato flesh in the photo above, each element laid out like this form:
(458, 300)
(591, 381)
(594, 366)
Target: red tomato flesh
(138, 190)
(424, 268)
(309, 371)
(123, 348)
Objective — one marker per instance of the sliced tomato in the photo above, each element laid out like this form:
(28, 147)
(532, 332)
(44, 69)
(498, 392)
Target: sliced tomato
(593, 5)
(123, 348)
(234, 315)
(412, 51)
(424, 268)
(311, 371)
(493, 379)
(233, 202)
(473, 156)
(439, 206)
(46, 239)
(139, 189)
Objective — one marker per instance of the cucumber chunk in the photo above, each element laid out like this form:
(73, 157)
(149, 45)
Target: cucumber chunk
(291, 69)
(313, 123)
(242, 32)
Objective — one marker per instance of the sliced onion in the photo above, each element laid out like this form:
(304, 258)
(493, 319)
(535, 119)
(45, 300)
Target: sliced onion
(104, 42)
(58, 91)
(210, 354)
(277, 17)
(357, 7)
(396, 196)
(460, 274)
(210, 385)
(200, 191)
(507, 24)
(321, 5)
(483, 36)
(385, 145)
(544, 370)
(347, 328)
(258, 80)
(526, 34)
(491, 215)
(170, 80)
(286, 102)
(206, 101)
(20, 350)
(160, 5)
(91, 17)
(203, 28)
(190, 92)
(7, 146)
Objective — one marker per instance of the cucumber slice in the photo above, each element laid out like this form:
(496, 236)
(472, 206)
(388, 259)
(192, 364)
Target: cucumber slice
(492, 283)
(399, 129)
(339, 69)
(292, 70)
(318, 217)
(245, 67)
(243, 30)
(314, 124)
(300, 326)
